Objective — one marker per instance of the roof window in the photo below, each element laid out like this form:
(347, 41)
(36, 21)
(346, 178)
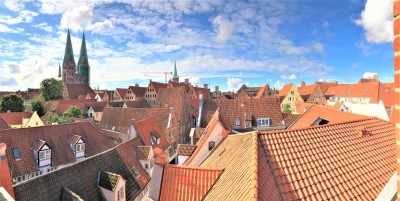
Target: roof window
(16, 153)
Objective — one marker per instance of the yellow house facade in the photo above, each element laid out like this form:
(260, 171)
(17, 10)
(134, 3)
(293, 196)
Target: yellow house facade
(22, 119)
(289, 95)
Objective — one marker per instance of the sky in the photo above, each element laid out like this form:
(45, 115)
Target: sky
(223, 43)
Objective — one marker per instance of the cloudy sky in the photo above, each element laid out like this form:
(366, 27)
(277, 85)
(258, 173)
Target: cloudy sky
(218, 42)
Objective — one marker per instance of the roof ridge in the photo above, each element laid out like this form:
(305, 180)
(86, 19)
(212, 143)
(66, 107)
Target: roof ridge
(192, 167)
(254, 163)
(326, 125)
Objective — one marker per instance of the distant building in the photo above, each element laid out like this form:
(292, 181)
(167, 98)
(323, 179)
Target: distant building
(21, 119)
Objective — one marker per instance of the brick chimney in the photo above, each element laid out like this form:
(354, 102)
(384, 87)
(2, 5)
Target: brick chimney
(136, 85)
(206, 86)
(186, 81)
(5, 176)
(216, 88)
(396, 113)
(303, 83)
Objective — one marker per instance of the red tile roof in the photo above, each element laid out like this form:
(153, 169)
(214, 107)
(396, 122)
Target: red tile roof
(121, 118)
(316, 111)
(142, 152)
(121, 92)
(63, 105)
(290, 118)
(204, 91)
(187, 183)
(3, 124)
(262, 91)
(97, 106)
(346, 161)
(74, 90)
(57, 137)
(137, 104)
(5, 176)
(301, 107)
(232, 109)
(15, 118)
(146, 128)
(307, 89)
(138, 91)
(186, 149)
(157, 85)
(285, 89)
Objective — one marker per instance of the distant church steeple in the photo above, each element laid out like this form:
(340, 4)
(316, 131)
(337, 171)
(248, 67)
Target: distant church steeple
(83, 62)
(175, 77)
(69, 53)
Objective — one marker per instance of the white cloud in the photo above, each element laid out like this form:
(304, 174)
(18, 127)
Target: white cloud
(23, 16)
(235, 83)
(44, 26)
(369, 75)
(327, 80)
(289, 77)
(15, 5)
(77, 19)
(319, 47)
(6, 29)
(278, 85)
(377, 21)
(223, 27)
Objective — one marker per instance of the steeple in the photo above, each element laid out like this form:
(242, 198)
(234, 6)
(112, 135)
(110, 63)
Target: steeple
(175, 77)
(83, 62)
(69, 53)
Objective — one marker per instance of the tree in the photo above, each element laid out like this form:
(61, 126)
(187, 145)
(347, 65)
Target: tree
(286, 109)
(53, 118)
(12, 103)
(38, 105)
(72, 111)
(51, 89)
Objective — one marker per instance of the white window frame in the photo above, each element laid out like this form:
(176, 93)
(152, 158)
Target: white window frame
(45, 154)
(80, 147)
(263, 122)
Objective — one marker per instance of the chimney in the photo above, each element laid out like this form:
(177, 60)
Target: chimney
(375, 77)
(303, 83)
(186, 81)
(136, 85)
(396, 112)
(216, 88)
(206, 86)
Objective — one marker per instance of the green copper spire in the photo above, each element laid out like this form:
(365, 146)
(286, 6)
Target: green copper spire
(175, 75)
(83, 62)
(69, 53)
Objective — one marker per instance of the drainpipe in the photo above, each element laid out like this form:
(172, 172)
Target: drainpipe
(396, 108)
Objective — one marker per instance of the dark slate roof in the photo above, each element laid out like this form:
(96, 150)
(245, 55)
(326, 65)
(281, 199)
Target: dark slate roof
(81, 178)
(56, 136)
(74, 90)
(108, 180)
(68, 195)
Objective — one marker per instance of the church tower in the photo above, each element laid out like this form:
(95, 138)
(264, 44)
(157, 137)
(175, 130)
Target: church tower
(83, 63)
(69, 66)
(175, 77)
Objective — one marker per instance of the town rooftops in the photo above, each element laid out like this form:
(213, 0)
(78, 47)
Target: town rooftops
(142, 152)
(187, 183)
(285, 90)
(74, 90)
(151, 134)
(186, 149)
(137, 104)
(56, 137)
(121, 92)
(15, 118)
(343, 161)
(138, 91)
(157, 85)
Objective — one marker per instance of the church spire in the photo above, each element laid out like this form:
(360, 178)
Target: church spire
(69, 53)
(175, 72)
(83, 62)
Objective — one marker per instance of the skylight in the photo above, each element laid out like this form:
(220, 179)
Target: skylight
(16, 153)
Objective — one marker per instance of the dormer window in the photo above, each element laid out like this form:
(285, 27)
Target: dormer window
(44, 155)
(263, 122)
(154, 138)
(237, 122)
(77, 145)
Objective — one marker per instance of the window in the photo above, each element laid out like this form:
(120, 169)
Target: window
(121, 193)
(43, 155)
(80, 147)
(290, 99)
(292, 92)
(16, 153)
(237, 122)
(135, 172)
(211, 145)
(146, 166)
(263, 122)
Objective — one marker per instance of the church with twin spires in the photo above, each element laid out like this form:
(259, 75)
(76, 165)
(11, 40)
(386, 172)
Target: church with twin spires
(75, 78)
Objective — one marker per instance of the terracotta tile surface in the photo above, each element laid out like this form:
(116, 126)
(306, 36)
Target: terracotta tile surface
(3, 124)
(316, 111)
(142, 152)
(5, 176)
(138, 91)
(186, 149)
(121, 118)
(121, 92)
(15, 118)
(74, 90)
(63, 105)
(146, 128)
(332, 161)
(187, 183)
(262, 90)
(301, 107)
(290, 118)
(233, 109)
(157, 85)
(56, 137)
(137, 104)
(68, 195)
(285, 90)
(97, 106)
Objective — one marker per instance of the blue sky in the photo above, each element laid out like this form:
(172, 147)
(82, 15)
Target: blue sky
(222, 42)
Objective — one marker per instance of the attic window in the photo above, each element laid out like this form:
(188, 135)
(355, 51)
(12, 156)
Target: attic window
(237, 122)
(135, 171)
(263, 122)
(211, 145)
(155, 138)
(16, 153)
(320, 121)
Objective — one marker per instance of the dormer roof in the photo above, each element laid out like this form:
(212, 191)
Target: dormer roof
(74, 139)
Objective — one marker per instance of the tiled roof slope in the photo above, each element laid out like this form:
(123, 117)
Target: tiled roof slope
(157, 85)
(233, 109)
(237, 155)
(187, 183)
(122, 118)
(331, 162)
(55, 136)
(290, 118)
(142, 152)
(138, 91)
(121, 92)
(137, 104)
(3, 124)
(68, 195)
(74, 90)
(65, 104)
(81, 178)
(125, 150)
(307, 89)
(108, 180)
(186, 149)
(146, 127)
(332, 115)
(15, 118)
(285, 89)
